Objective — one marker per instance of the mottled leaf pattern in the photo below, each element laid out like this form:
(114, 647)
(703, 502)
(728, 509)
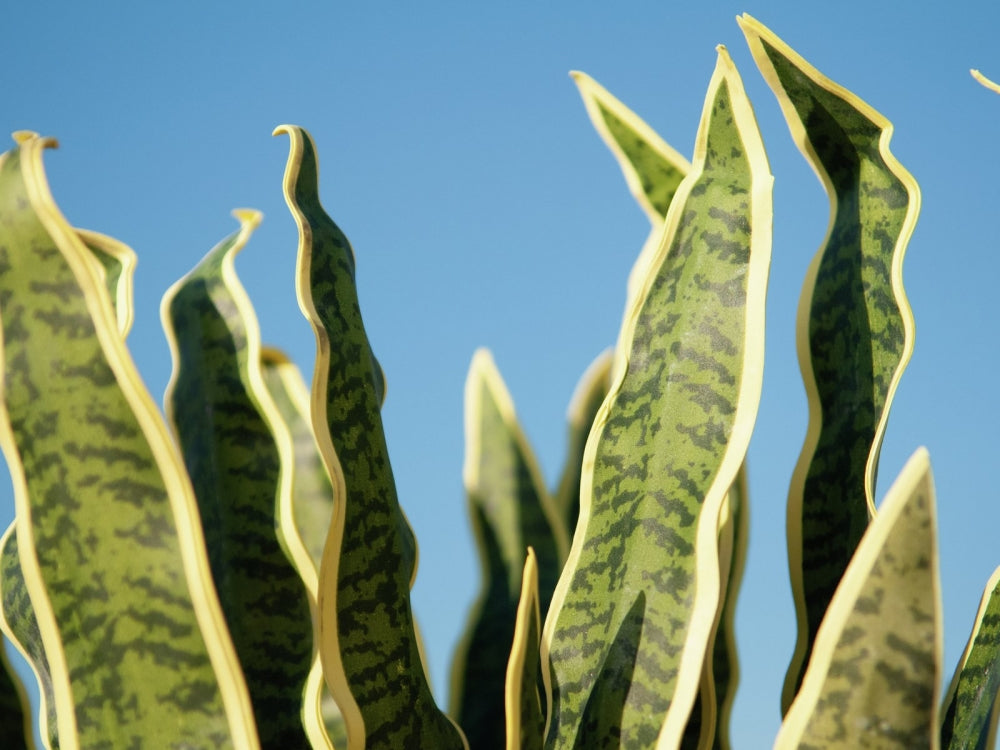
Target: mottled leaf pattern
(627, 634)
(855, 327)
(652, 169)
(525, 718)
(874, 676)
(17, 621)
(370, 652)
(511, 511)
(587, 399)
(110, 546)
(230, 435)
(969, 715)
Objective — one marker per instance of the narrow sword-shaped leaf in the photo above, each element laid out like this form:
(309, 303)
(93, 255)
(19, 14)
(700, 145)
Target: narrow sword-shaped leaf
(626, 636)
(969, 713)
(991, 85)
(232, 439)
(511, 510)
(370, 651)
(587, 399)
(312, 509)
(17, 621)
(652, 169)
(874, 677)
(855, 326)
(525, 718)
(108, 535)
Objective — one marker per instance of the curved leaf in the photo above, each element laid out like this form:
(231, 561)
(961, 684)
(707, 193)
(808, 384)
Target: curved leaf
(969, 716)
(874, 676)
(525, 718)
(626, 636)
(109, 539)
(511, 511)
(587, 399)
(116, 265)
(370, 651)
(991, 85)
(855, 327)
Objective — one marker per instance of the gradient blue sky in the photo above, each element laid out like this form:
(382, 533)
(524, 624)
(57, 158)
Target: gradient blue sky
(484, 210)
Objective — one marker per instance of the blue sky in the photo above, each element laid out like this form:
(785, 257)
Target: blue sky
(484, 210)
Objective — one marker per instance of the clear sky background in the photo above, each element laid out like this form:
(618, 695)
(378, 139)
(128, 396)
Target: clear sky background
(484, 210)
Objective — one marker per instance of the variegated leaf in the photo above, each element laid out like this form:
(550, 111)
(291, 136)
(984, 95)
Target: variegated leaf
(110, 545)
(233, 440)
(525, 717)
(626, 636)
(855, 327)
(511, 511)
(116, 265)
(874, 676)
(969, 714)
(17, 621)
(370, 651)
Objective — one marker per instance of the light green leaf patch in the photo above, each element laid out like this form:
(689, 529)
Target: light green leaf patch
(109, 542)
(627, 634)
(855, 326)
(874, 676)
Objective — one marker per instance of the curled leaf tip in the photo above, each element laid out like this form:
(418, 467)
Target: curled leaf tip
(249, 218)
(283, 129)
(991, 85)
(23, 136)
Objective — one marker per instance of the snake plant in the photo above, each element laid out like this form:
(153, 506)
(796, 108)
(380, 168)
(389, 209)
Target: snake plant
(237, 573)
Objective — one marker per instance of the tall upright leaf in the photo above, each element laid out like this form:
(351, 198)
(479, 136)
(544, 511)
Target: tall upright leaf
(626, 636)
(511, 511)
(370, 651)
(970, 712)
(232, 438)
(525, 717)
(855, 327)
(108, 535)
(15, 710)
(874, 677)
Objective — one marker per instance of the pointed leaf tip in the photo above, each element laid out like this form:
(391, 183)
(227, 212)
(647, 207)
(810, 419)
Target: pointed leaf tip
(249, 218)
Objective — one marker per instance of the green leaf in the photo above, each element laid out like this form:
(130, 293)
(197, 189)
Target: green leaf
(626, 636)
(855, 327)
(652, 169)
(370, 651)
(525, 717)
(109, 539)
(587, 399)
(232, 439)
(970, 709)
(874, 675)
(17, 621)
(116, 266)
(511, 511)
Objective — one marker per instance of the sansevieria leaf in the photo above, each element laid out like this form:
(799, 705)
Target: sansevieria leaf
(108, 533)
(587, 399)
(370, 650)
(525, 717)
(232, 438)
(116, 262)
(627, 633)
(511, 511)
(969, 715)
(874, 676)
(855, 326)
(652, 169)
(17, 621)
